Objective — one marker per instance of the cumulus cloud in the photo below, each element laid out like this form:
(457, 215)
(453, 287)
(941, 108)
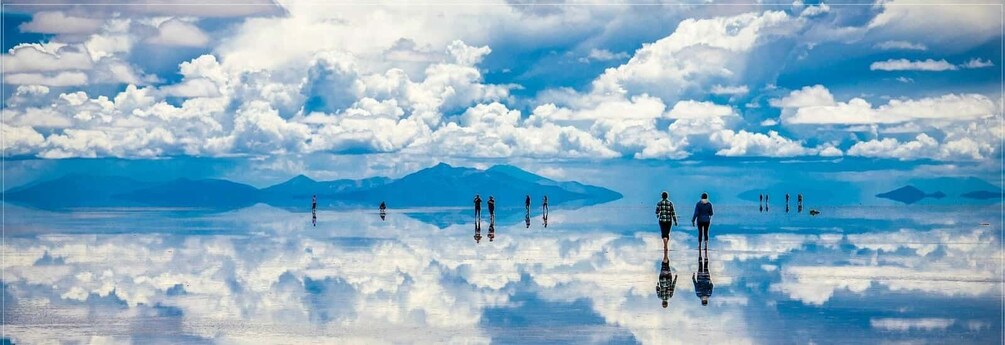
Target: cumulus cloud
(977, 63)
(56, 22)
(603, 55)
(816, 105)
(928, 65)
(730, 90)
(174, 32)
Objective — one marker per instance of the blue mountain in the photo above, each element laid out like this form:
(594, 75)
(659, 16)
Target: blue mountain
(909, 195)
(441, 185)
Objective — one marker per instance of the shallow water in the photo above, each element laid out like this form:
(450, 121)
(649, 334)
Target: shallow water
(916, 274)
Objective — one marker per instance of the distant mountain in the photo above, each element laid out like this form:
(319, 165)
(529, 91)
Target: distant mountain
(441, 185)
(983, 195)
(445, 185)
(910, 195)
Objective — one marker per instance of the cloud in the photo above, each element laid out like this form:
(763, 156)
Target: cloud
(977, 63)
(816, 105)
(603, 55)
(696, 110)
(730, 90)
(33, 57)
(56, 22)
(948, 26)
(904, 325)
(900, 45)
(176, 32)
(745, 143)
(928, 65)
(104, 8)
(56, 80)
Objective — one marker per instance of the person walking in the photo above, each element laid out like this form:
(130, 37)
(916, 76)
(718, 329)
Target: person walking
(703, 216)
(666, 216)
(526, 203)
(478, 206)
(314, 210)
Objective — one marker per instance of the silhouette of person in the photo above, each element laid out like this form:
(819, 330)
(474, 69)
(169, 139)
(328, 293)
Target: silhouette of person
(667, 281)
(526, 203)
(799, 202)
(492, 208)
(314, 210)
(786, 202)
(478, 206)
(703, 215)
(492, 230)
(545, 218)
(383, 210)
(526, 219)
(702, 280)
(544, 205)
(478, 231)
(666, 216)
(760, 203)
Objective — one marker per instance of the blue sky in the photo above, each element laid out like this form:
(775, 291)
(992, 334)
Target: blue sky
(291, 88)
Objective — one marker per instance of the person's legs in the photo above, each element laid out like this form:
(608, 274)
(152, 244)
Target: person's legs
(665, 233)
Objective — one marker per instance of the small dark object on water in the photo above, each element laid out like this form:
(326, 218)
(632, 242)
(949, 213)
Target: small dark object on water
(814, 212)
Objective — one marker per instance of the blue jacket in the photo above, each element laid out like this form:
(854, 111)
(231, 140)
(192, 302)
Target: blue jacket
(702, 212)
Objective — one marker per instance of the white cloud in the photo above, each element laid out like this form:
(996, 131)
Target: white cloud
(907, 65)
(904, 325)
(603, 55)
(745, 143)
(55, 22)
(696, 110)
(769, 122)
(33, 57)
(977, 63)
(730, 90)
(57, 80)
(947, 25)
(816, 105)
(175, 32)
(904, 45)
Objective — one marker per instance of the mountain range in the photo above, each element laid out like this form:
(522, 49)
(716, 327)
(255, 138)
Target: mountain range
(440, 185)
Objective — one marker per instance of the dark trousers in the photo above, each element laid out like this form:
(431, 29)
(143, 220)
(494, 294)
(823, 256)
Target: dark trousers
(703, 231)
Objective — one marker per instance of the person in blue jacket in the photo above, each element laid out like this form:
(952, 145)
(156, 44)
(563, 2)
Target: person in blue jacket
(702, 279)
(703, 216)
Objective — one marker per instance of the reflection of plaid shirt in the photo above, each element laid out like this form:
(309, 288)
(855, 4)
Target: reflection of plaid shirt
(667, 282)
(665, 212)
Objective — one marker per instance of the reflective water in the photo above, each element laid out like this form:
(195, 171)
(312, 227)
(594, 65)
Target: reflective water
(264, 275)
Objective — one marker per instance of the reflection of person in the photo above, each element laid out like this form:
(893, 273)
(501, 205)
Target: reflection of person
(383, 210)
(760, 203)
(799, 202)
(544, 205)
(314, 210)
(667, 281)
(526, 203)
(545, 217)
(702, 280)
(526, 219)
(478, 206)
(492, 230)
(703, 215)
(492, 208)
(786, 202)
(666, 216)
(478, 231)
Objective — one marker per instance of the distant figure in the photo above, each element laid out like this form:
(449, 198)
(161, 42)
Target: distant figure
(760, 203)
(526, 219)
(666, 216)
(814, 212)
(314, 210)
(702, 280)
(703, 215)
(667, 281)
(383, 210)
(786, 202)
(526, 203)
(492, 230)
(545, 218)
(478, 206)
(544, 205)
(799, 202)
(492, 208)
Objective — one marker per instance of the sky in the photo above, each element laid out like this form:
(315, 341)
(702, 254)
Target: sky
(351, 90)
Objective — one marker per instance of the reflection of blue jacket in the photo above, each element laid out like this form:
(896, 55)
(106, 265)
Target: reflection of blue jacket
(702, 212)
(703, 285)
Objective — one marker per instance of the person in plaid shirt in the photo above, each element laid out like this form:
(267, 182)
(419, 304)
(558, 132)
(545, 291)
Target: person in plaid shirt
(666, 216)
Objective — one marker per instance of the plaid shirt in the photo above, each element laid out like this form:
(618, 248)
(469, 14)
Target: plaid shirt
(665, 212)
(667, 282)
